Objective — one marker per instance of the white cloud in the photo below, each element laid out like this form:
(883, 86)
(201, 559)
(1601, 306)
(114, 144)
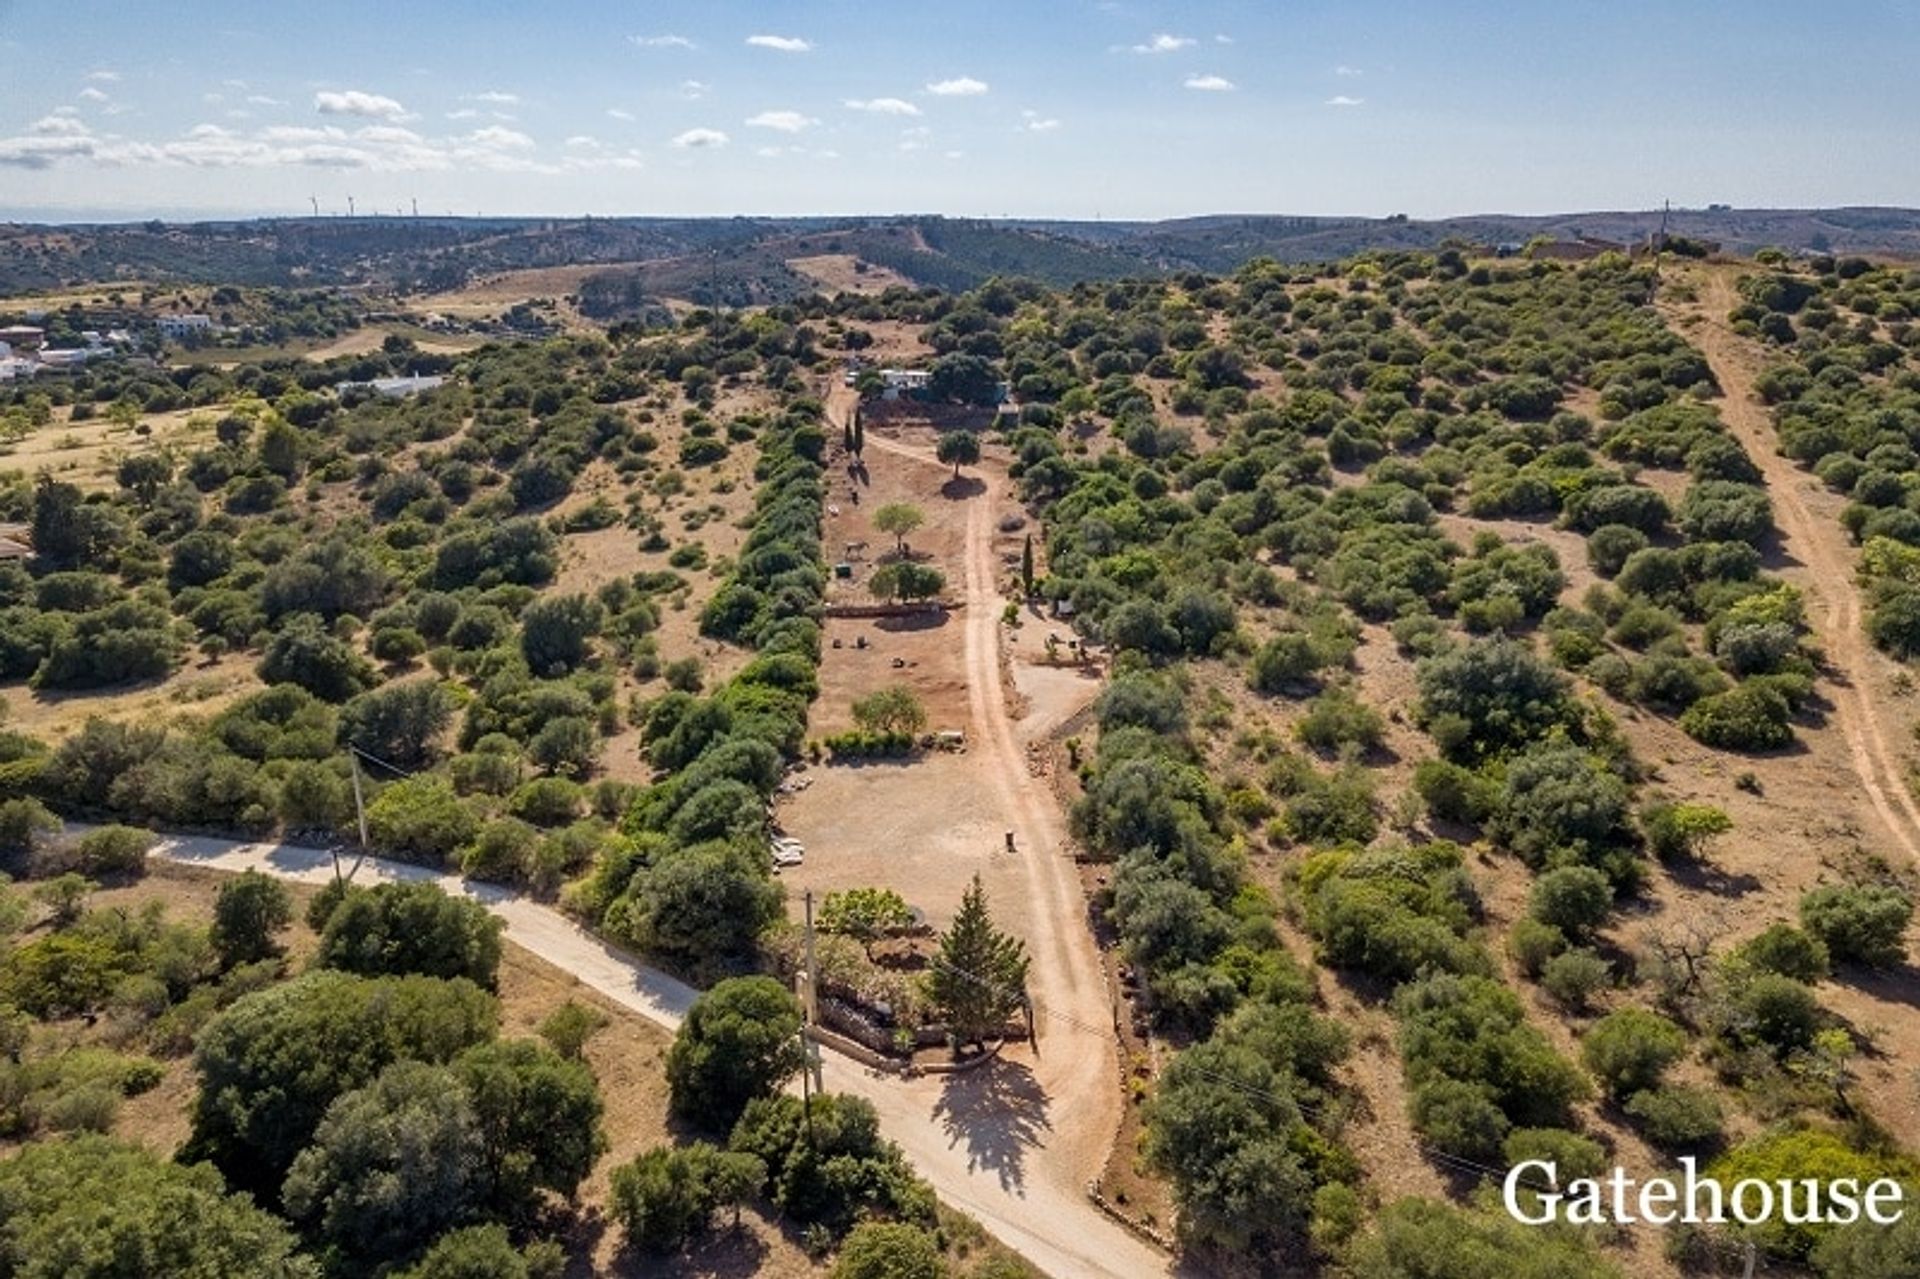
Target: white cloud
(380, 146)
(1209, 83)
(781, 44)
(496, 98)
(662, 42)
(103, 75)
(700, 140)
(1342, 100)
(1034, 122)
(1344, 69)
(781, 121)
(618, 114)
(57, 125)
(495, 138)
(883, 106)
(1164, 43)
(91, 94)
(956, 155)
(355, 102)
(694, 90)
(262, 100)
(1223, 39)
(584, 142)
(464, 113)
(962, 87)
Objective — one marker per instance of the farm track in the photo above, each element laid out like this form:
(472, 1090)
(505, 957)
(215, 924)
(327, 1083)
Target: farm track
(1823, 549)
(1077, 1067)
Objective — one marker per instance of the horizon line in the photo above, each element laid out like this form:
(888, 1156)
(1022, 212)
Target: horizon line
(82, 215)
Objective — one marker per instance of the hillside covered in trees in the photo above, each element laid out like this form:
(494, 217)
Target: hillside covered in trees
(1474, 776)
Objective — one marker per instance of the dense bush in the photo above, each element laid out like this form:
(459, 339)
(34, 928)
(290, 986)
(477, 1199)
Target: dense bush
(1863, 923)
(92, 1206)
(738, 1042)
(828, 1164)
(270, 1065)
(1629, 1050)
(411, 928)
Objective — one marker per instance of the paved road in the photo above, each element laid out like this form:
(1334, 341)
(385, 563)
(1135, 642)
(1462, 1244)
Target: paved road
(964, 1134)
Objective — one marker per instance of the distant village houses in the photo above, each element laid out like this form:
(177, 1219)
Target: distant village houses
(24, 355)
(175, 328)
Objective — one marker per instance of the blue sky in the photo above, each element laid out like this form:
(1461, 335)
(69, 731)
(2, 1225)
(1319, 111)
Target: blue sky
(1052, 108)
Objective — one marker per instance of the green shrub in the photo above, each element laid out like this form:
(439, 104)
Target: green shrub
(1532, 943)
(1574, 899)
(889, 1250)
(1745, 718)
(1784, 949)
(1863, 923)
(1677, 1119)
(1574, 977)
(1629, 1050)
(113, 850)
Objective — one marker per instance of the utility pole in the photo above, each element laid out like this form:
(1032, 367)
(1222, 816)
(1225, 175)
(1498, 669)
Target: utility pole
(359, 807)
(809, 1011)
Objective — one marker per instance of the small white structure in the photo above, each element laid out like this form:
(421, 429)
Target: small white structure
(896, 382)
(394, 388)
(175, 327)
(66, 359)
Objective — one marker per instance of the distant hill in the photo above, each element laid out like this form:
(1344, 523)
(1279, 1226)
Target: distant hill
(743, 260)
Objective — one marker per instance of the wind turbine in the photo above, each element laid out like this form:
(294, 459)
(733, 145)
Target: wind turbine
(349, 206)
(314, 200)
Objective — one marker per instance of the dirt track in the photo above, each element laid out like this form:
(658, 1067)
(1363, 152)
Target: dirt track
(1822, 547)
(1076, 1070)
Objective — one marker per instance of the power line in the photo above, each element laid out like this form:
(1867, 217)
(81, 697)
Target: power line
(372, 758)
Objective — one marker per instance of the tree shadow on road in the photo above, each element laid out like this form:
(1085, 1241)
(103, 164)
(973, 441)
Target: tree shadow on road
(999, 1110)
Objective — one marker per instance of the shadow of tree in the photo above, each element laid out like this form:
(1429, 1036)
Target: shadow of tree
(999, 1110)
(1704, 876)
(963, 487)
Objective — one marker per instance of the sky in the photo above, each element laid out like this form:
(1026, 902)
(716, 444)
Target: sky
(975, 108)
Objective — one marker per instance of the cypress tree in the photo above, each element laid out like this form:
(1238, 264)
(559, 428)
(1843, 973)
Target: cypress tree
(980, 977)
(1026, 566)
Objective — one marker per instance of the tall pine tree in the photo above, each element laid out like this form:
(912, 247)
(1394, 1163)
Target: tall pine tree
(1026, 567)
(980, 977)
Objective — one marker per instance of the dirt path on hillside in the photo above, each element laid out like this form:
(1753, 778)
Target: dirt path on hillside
(1824, 550)
(1052, 1225)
